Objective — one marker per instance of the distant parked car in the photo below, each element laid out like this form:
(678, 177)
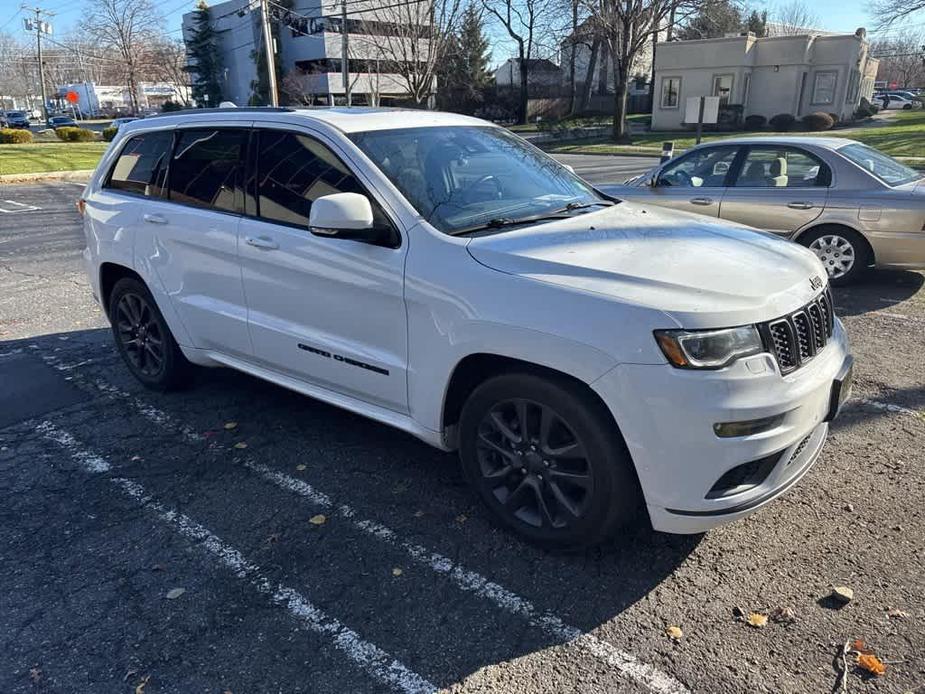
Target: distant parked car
(850, 204)
(17, 119)
(61, 122)
(119, 122)
(898, 101)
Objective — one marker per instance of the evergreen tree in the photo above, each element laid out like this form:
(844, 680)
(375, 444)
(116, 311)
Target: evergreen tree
(715, 19)
(206, 60)
(757, 23)
(463, 76)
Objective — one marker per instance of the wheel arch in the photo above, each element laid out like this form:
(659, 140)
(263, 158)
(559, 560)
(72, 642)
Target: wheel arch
(110, 273)
(474, 369)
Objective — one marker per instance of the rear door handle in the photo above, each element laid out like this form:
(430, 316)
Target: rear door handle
(155, 219)
(264, 242)
(701, 201)
(800, 205)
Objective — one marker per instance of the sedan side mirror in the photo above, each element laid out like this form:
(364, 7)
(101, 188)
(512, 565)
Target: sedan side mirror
(343, 216)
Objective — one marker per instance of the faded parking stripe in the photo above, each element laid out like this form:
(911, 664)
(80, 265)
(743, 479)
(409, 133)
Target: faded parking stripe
(372, 659)
(553, 626)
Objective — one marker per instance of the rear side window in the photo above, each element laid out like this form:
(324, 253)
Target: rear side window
(782, 167)
(207, 168)
(142, 165)
(293, 170)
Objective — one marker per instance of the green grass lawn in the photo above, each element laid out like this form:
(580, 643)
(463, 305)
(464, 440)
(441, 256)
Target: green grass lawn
(41, 157)
(904, 136)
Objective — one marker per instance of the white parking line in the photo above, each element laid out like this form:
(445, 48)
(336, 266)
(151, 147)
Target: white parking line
(372, 659)
(886, 407)
(17, 207)
(553, 626)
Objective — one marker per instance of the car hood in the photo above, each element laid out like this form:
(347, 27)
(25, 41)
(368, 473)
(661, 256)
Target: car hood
(703, 273)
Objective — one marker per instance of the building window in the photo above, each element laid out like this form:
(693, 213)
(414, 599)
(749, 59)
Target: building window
(824, 85)
(722, 87)
(671, 92)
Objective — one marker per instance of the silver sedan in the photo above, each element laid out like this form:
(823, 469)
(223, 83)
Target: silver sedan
(854, 206)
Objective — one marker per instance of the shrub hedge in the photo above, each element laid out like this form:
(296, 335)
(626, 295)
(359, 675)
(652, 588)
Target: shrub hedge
(755, 122)
(782, 122)
(70, 134)
(109, 133)
(10, 136)
(818, 121)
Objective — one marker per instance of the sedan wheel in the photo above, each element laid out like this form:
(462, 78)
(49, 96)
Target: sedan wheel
(837, 254)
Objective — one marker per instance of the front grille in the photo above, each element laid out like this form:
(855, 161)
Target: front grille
(797, 338)
(799, 448)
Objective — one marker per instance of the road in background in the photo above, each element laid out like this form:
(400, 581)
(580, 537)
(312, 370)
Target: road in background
(605, 168)
(334, 554)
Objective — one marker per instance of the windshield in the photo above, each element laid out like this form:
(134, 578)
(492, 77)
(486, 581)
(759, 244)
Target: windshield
(879, 164)
(462, 178)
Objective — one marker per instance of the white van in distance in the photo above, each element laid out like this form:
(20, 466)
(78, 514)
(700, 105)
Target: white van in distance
(593, 361)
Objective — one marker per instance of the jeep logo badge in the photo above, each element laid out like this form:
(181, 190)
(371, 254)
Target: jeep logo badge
(815, 282)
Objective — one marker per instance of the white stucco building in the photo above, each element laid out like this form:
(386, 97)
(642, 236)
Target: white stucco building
(766, 76)
(310, 56)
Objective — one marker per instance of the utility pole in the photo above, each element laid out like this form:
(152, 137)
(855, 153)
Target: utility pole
(271, 58)
(345, 51)
(39, 27)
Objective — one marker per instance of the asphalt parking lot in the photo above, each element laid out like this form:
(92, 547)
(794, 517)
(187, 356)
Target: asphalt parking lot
(238, 537)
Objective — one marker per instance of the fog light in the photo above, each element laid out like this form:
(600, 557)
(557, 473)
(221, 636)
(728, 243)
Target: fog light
(728, 430)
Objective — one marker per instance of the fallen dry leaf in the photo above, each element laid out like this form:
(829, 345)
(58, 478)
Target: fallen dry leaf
(897, 614)
(784, 615)
(871, 663)
(231, 425)
(175, 593)
(240, 444)
(300, 467)
(158, 567)
(859, 646)
(461, 518)
(418, 514)
(35, 674)
(674, 632)
(756, 619)
(396, 571)
(136, 458)
(842, 594)
(320, 519)
(140, 688)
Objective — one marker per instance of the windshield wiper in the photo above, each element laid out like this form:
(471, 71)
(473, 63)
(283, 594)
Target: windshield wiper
(499, 222)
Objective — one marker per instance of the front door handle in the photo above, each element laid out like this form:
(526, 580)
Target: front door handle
(701, 201)
(800, 205)
(155, 219)
(263, 242)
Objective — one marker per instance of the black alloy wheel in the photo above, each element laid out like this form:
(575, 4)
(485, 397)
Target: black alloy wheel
(533, 463)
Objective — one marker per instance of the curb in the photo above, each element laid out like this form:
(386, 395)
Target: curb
(79, 176)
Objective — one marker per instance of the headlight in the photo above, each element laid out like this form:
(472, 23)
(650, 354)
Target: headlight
(708, 349)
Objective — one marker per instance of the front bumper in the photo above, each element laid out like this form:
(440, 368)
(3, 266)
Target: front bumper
(666, 416)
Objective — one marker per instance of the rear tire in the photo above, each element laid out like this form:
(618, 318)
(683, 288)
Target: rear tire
(143, 338)
(569, 483)
(844, 253)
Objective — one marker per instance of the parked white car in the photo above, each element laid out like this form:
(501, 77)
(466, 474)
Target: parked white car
(594, 361)
(897, 101)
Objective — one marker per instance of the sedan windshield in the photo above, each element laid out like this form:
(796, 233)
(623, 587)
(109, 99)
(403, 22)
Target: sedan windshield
(879, 164)
(466, 178)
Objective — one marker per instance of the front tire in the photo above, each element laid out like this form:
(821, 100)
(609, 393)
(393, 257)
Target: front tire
(548, 461)
(143, 338)
(844, 253)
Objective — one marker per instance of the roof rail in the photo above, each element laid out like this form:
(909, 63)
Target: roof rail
(239, 109)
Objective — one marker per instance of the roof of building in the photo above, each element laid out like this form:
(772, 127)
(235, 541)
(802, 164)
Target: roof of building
(353, 119)
(536, 64)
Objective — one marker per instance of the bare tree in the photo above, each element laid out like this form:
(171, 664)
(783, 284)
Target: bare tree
(525, 22)
(166, 62)
(792, 19)
(902, 58)
(888, 12)
(125, 26)
(625, 28)
(407, 39)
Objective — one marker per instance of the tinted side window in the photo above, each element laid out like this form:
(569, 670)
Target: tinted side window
(142, 165)
(292, 171)
(207, 168)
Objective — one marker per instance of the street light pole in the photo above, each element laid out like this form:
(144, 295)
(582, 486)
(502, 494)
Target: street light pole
(271, 58)
(37, 27)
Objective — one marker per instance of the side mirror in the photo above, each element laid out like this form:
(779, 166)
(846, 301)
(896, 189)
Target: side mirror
(653, 181)
(343, 216)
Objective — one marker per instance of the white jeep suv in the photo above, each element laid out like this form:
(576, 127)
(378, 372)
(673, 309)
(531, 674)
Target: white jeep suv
(592, 360)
